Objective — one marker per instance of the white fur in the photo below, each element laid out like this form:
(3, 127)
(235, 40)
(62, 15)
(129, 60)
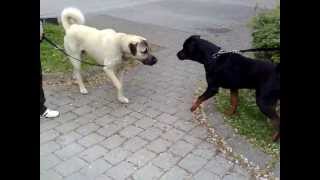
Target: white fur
(71, 16)
(106, 46)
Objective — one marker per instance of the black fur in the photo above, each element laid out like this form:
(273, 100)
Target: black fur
(133, 48)
(145, 44)
(234, 71)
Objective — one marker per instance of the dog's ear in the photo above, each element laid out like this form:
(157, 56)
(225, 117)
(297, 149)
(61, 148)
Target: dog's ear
(133, 48)
(195, 36)
(144, 43)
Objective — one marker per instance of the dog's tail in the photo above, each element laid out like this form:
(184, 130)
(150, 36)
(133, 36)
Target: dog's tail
(71, 16)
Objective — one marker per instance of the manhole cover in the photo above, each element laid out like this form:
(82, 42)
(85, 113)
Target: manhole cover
(217, 30)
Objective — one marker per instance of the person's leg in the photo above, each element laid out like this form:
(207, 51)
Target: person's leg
(44, 111)
(43, 108)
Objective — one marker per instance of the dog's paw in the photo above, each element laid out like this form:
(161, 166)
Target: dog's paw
(275, 136)
(123, 100)
(230, 113)
(193, 108)
(83, 91)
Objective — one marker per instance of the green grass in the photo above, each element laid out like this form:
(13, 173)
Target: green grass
(53, 60)
(249, 121)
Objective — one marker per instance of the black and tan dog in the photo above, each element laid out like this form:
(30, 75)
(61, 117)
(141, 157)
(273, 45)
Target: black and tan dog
(234, 71)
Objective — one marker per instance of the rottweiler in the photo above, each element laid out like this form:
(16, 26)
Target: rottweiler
(234, 71)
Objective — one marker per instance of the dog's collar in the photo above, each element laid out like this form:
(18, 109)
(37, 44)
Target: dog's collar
(220, 52)
(217, 54)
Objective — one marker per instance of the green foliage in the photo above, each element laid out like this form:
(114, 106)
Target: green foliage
(266, 33)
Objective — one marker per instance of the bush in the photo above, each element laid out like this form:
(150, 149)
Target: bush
(266, 33)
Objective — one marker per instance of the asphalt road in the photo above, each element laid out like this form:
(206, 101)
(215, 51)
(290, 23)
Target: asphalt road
(184, 15)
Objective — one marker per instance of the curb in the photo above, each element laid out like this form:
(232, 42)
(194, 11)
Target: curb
(53, 20)
(238, 143)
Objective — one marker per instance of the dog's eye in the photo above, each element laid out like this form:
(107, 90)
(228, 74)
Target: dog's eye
(145, 51)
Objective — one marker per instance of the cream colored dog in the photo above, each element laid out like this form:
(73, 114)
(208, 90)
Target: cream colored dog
(107, 47)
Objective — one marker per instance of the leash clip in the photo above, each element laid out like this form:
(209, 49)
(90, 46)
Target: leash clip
(235, 51)
(215, 55)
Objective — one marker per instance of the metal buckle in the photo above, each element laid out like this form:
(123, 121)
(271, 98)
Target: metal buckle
(235, 51)
(215, 55)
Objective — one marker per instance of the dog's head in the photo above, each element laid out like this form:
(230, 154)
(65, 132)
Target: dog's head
(140, 50)
(189, 50)
(196, 49)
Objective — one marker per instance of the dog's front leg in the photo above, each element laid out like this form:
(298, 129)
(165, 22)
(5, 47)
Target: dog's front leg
(211, 91)
(118, 85)
(120, 75)
(234, 97)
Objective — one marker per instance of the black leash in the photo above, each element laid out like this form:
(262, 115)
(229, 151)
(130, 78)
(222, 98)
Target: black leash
(65, 53)
(260, 49)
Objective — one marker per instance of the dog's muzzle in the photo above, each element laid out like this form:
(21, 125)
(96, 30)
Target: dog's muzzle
(151, 60)
(181, 55)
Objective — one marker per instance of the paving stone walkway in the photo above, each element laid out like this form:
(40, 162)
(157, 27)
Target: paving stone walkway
(153, 137)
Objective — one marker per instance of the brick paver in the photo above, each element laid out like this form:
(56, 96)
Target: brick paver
(153, 137)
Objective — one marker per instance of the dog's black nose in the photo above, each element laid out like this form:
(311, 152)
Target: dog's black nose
(150, 61)
(180, 55)
(154, 60)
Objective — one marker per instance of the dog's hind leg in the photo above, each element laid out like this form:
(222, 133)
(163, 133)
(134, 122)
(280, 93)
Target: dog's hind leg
(118, 85)
(234, 97)
(276, 124)
(76, 67)
(268, 107)
(78, 77)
